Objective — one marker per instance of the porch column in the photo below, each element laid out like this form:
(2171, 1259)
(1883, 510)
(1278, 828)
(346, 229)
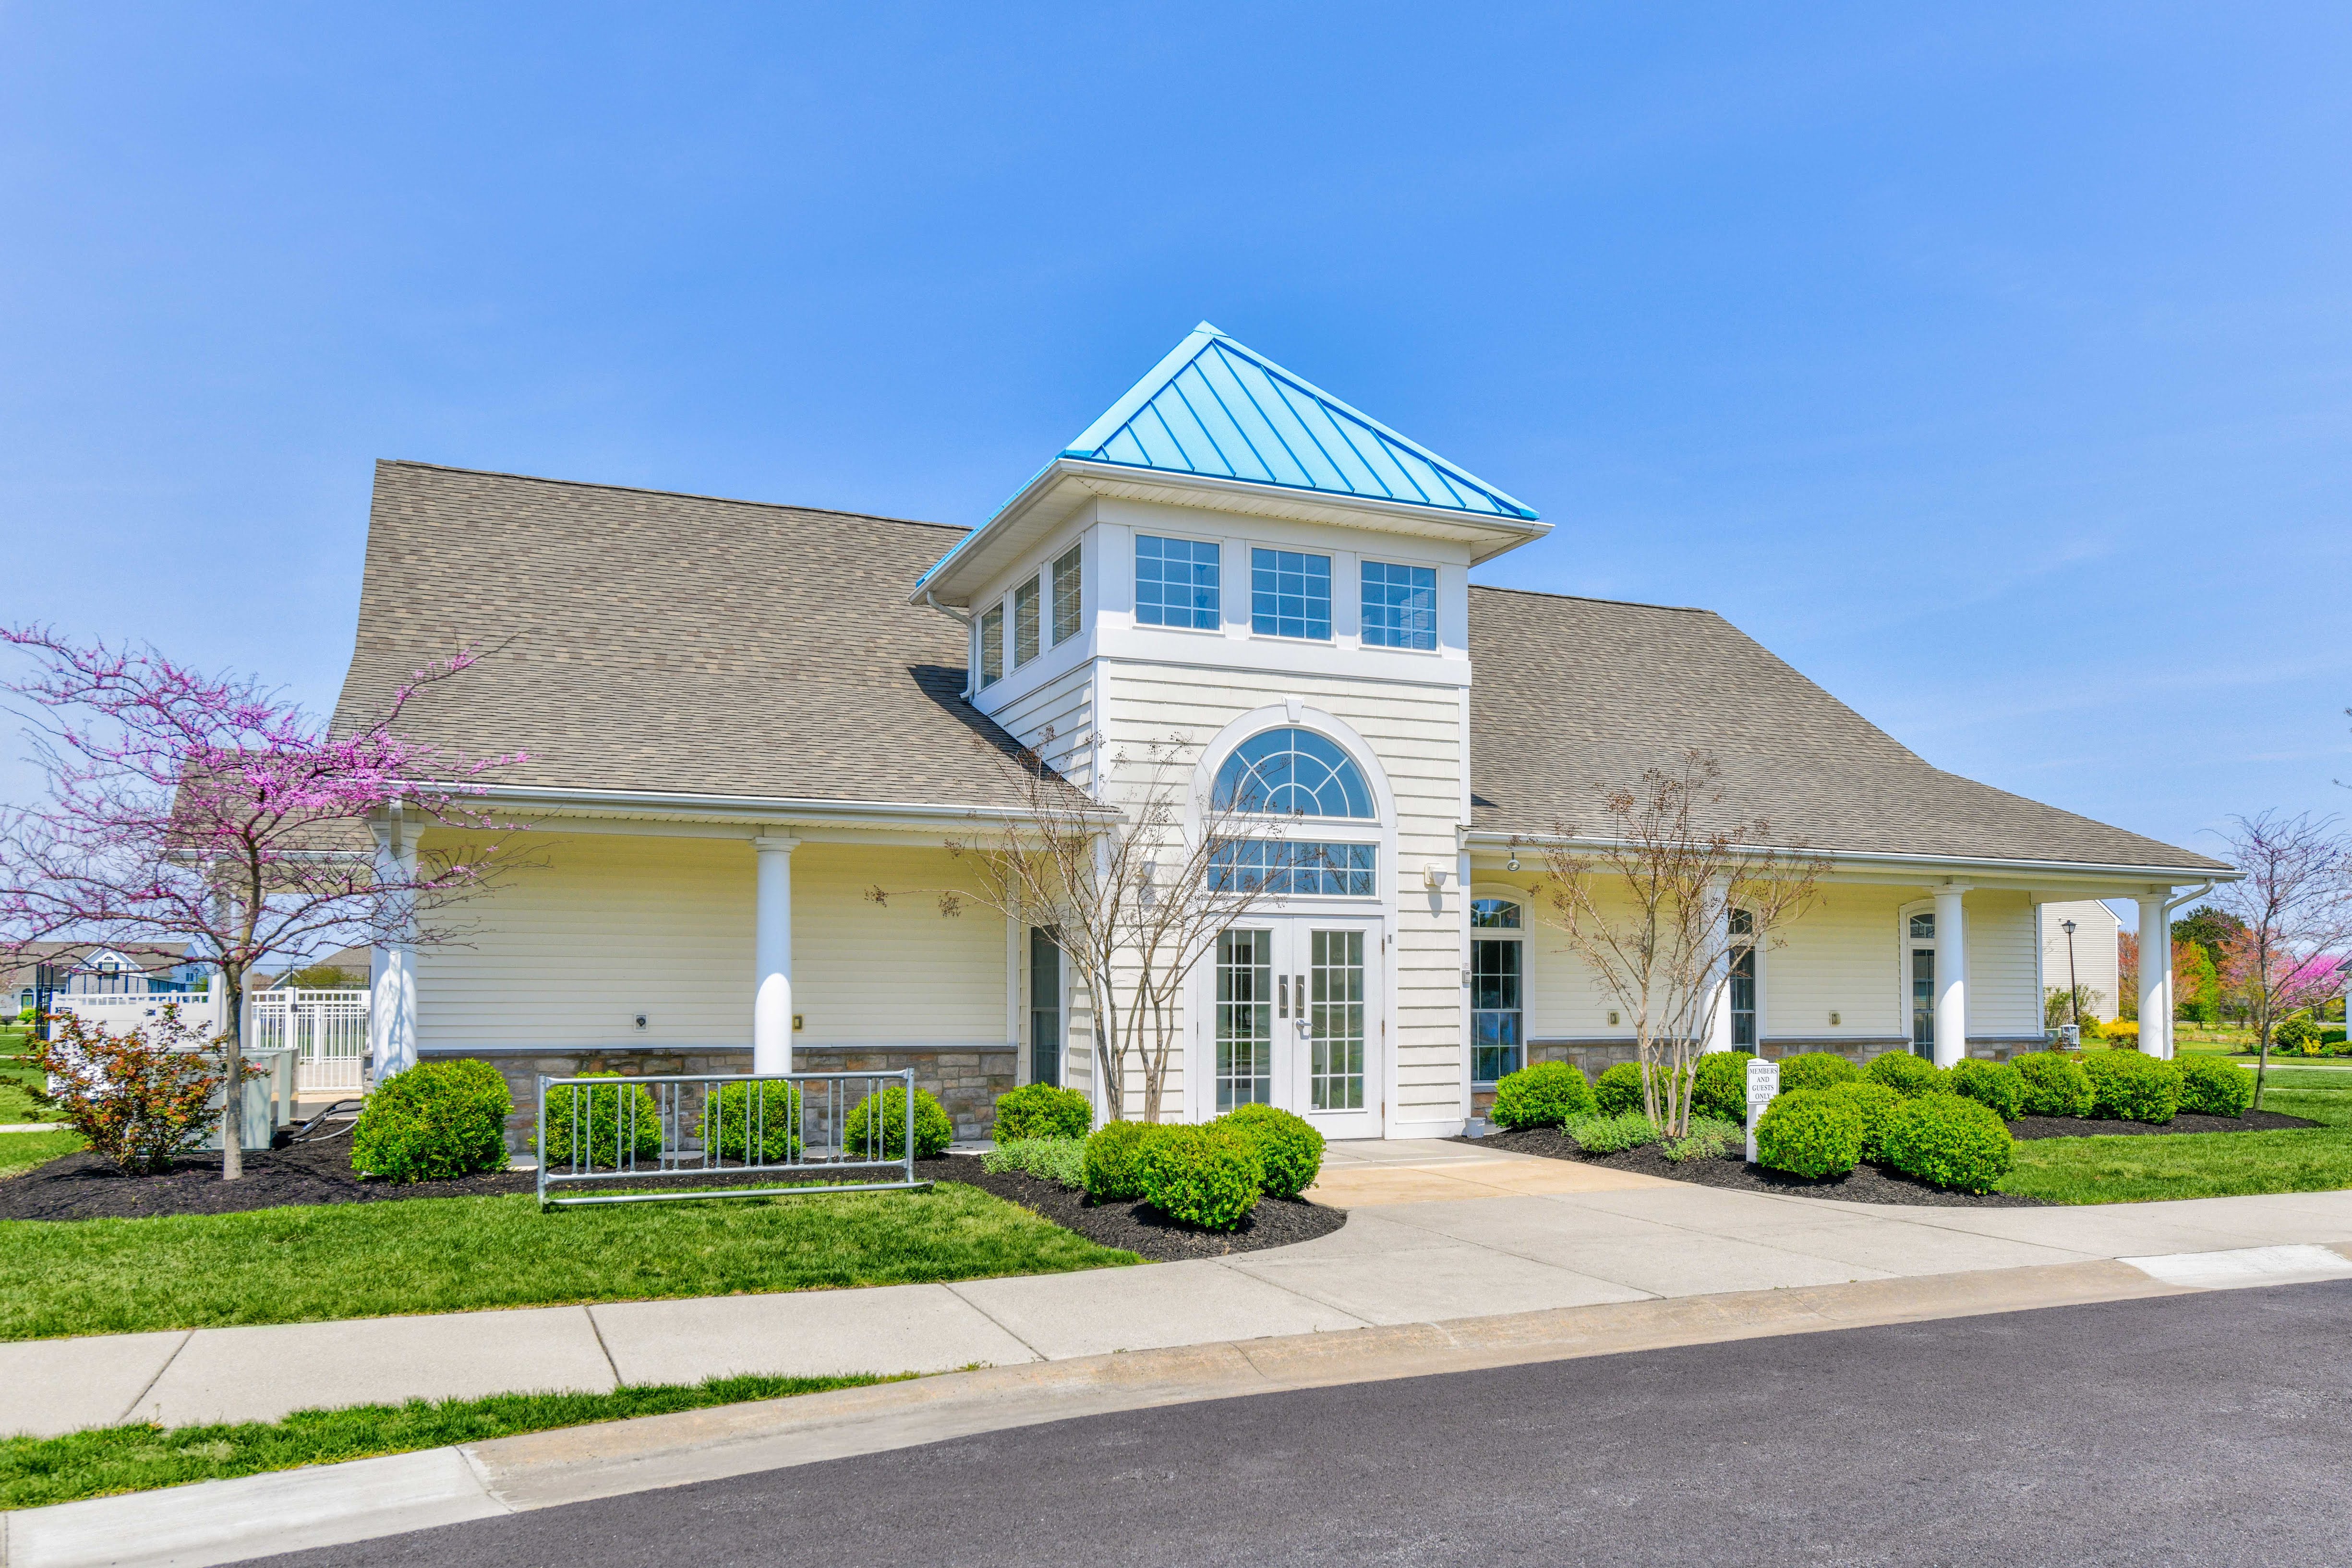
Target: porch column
(771, 956)
(392, 1002)
(1951, 975)
(2155, 975)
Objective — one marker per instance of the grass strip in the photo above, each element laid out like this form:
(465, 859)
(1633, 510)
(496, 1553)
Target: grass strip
(105, 1460)
(2140, 1169)
(23, 1150)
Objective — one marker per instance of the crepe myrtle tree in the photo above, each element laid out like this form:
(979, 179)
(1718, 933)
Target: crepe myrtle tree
(205, 809)
(1137, 887)
(2292, 906)
(1648, 895)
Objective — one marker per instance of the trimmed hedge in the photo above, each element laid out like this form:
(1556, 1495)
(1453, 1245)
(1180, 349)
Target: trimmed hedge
(1042, 1111)
(1721, 1090)
(1908, 1075)
(1949, 1141)
(603, 1118)
(437, 1120)
(1544, 1095)
(1994, 1084)
(1290, 1150)
(2214, 1086)
(1812, 1070)
(2055, 1084)
(1809, 1132)
(1112, 1173)
(766, 1122)
(876, 1125)
(2132, 1086)
(1205, 1176)
(1873, 1103)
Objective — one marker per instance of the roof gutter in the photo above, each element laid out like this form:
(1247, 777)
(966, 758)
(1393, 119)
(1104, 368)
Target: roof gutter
(1946, 865)
(759, 808)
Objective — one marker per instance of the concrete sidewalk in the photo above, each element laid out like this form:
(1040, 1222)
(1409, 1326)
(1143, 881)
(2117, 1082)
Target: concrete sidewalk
(1436, 1232)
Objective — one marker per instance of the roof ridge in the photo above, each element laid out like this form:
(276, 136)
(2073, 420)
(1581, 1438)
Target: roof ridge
(656, 491)
(1596, 599)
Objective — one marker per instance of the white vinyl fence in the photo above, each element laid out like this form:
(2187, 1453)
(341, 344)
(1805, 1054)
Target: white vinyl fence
(327, 1030)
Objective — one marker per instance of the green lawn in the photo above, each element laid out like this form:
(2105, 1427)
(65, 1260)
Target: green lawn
(23, 1150)
(35, 1471)
(450, 1255)
(2203, 1164)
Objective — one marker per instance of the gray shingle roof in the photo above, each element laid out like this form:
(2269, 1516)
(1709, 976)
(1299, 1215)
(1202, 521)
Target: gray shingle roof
(670, 643)
(1572, 696)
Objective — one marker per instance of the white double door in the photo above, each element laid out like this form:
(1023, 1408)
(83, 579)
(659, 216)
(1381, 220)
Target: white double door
(1295, 1021)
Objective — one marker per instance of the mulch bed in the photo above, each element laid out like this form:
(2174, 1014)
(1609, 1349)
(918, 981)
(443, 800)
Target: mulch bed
(2187, 1121)
(1137, 1227)
(1863, 1185)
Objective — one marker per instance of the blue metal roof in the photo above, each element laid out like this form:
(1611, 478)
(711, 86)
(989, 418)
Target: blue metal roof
(1216, 409)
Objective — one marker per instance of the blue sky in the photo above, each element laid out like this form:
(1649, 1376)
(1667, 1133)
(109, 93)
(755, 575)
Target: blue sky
(1991, 364)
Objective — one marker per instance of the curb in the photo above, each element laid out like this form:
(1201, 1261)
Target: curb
(225, 1522)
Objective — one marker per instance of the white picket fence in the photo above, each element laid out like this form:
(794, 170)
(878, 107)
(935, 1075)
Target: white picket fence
(328, 1030)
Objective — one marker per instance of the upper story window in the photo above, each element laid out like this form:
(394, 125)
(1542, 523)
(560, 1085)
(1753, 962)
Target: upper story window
(1400, 605)
(1292, 773)
(1290, 594)
(991, 645)
(1065, 596)
(1177, 582)
(1024, 623)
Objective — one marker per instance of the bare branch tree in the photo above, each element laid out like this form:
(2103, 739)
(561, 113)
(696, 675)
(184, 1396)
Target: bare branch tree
(1649, 898)
(2295, 905)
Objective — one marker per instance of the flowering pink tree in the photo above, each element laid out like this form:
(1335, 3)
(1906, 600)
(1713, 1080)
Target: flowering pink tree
(2294, 904)
(205, 810)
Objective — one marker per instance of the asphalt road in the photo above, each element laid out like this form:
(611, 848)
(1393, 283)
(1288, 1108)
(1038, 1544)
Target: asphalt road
(2212, 1429)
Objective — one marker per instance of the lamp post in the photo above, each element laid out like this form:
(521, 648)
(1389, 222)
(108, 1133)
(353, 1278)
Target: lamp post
(2073, 986)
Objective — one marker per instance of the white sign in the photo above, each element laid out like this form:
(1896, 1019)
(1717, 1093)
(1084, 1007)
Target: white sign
(1763, 1083)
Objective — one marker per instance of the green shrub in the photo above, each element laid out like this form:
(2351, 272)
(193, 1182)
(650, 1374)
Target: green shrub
(1721, 1090)
(875, 1127)
(2132, 1086)
(1062, 1160)
(2215, 1086)
(1544, 1095)
(1600, 1134)
(1949, 1141)
(437, 1120)
(2331, 1037)
(588, 1126)
(2055, 1084)
(1809, 1132)
(1042, 1111)
(1112, 1175)
(1205, 1176)
(1619, 1088)
(1908, 1075)
(1873, 1103)
(2298, 1035)
(1710, 1138)
(1815, 1069)
(1290, 1150)
(1994, 1084)
(754, 1121)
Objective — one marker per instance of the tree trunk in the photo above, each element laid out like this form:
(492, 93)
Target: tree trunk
(2261, 1064)
(232, 1082)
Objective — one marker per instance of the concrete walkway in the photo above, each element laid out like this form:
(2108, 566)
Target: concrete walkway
(1436, 1233)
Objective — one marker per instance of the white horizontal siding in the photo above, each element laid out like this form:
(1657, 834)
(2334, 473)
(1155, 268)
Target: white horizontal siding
(2098, 952)
(2002, 943)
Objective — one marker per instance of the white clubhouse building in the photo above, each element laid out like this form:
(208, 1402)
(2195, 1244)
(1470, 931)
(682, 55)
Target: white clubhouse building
(744, 722)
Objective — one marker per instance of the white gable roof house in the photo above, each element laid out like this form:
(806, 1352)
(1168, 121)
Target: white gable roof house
(741, 718)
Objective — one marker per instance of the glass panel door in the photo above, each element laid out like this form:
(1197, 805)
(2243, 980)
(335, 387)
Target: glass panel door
(1335, 1020)
(1244, 1018)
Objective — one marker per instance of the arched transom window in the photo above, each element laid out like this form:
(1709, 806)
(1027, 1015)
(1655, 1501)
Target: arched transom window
(1292, 773)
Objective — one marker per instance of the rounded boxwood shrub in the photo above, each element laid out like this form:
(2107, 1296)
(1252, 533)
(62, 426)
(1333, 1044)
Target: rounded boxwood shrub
(2132, 1086)
(1907, 1075)
(437, 1120)
(2297, 1034)
(1205, 1176)
(600, 1127)
(753, 1122)
(1994, 1084)
(2055, 1084)
(1949, 1141)
(1873, 1103)
(1618, 1091)
(1720, 1090)
(2215, 1086)
(1111, 1171)
(1809, 1132)
(876, 1126)
(1544, 1095)
(1814, 1069)
(1042, 1111)
(1290, 1150)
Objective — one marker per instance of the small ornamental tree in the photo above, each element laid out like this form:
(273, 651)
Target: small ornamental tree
(205, 809)
(2292, 904)
(140, 1097)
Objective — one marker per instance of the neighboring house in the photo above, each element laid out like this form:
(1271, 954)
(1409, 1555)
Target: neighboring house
(88, 969)
(739, 718)
(2097, 955)
(354, 963)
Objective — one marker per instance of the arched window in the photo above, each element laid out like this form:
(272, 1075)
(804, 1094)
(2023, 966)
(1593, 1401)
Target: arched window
(1288, 772)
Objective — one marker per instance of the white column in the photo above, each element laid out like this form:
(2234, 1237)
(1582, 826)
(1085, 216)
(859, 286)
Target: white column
(771, 957)
(2155, 975)
(392, 1004)
(1951, 975)
(1718, 1028)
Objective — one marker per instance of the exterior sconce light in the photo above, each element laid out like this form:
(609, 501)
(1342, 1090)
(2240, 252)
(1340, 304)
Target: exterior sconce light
(1433, 876)
(1833, 1018)
(1612, 1018)
(1513, 863)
